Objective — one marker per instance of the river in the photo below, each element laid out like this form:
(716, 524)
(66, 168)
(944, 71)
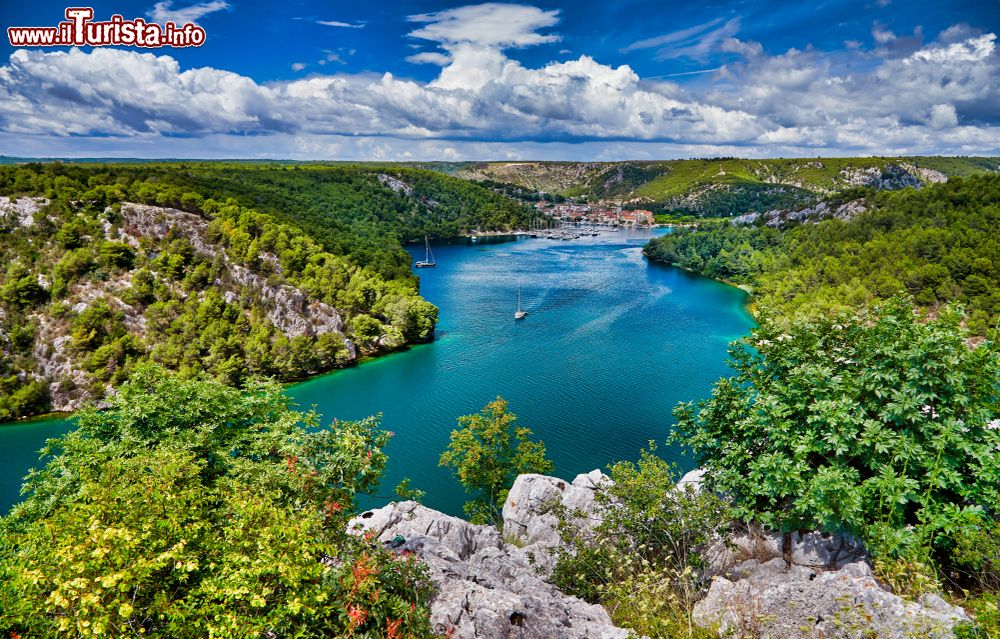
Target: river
(611, 343)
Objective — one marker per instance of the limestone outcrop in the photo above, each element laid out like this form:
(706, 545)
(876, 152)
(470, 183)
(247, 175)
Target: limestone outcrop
(780, 601)
(534, 502)
(486, 589)
(492, 584)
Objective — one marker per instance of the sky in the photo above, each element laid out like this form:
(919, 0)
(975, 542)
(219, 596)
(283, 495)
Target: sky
(595, 81)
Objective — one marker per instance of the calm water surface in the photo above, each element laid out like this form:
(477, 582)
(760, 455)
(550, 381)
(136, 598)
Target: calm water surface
(610, 345)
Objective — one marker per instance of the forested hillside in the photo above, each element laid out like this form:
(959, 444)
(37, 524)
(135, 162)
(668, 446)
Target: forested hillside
(723, 186)
(365, 212)
(235, 270)
(939, 244)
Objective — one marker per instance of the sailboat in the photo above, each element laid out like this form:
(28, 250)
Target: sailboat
(428, 261)
(519, 313)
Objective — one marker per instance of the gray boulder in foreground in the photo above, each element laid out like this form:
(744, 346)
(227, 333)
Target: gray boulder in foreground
(531, 511)
(772, 600)
(493, 586)
(486, 589)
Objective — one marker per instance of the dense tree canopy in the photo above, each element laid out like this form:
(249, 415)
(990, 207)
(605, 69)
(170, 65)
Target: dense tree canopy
(871, 422)
(939, 244)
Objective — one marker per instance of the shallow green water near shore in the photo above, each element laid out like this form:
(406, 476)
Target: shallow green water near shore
(610, 345)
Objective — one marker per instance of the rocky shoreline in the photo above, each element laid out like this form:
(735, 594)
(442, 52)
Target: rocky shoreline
(494, 584)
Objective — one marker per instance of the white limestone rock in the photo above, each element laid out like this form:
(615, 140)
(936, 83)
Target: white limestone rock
(531, 511)
(486, 589)
(776, 601)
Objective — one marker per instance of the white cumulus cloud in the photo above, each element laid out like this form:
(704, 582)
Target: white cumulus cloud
(941, 97)
(163, 12)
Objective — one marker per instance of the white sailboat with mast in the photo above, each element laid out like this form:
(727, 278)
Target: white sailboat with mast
(519, 313)
(428, 261)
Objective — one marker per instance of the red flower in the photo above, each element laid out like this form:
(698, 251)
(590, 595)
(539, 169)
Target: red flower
(392, 627)
(333, 507)
(362, 570)
(357, 615)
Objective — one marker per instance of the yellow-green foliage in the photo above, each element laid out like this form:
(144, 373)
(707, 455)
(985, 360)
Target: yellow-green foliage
(191, 510)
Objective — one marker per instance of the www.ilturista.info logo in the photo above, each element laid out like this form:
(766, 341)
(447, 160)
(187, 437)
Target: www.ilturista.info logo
(80, 30)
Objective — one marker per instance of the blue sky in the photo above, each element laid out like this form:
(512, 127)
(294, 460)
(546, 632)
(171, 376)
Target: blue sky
(555, 80)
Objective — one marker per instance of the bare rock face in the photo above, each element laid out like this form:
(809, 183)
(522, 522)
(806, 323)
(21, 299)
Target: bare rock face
(692, 478)
(51, 352)
(776, 601)
(288, 308)
(818, 586)
(531, 511)
(486, 589)
(395, 183)
(21, 211)
(778, 218)
(819, 550)
(888, 177)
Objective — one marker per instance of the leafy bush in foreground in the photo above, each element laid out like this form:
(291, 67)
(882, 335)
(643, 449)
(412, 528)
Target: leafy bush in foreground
(190, 509)
(642, 561)
(871, 422)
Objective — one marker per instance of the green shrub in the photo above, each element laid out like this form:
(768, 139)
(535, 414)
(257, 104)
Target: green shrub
(870, 422)
(190, 509)
(487, 453)
(20, 398)
(642, 561)
(985, 608)
(112, 255)
(21, 288)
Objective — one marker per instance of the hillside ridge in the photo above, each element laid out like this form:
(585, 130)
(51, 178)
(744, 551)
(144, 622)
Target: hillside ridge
(719, 187)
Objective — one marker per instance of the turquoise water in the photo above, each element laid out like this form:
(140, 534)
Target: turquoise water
(19, 446)
(610, 345)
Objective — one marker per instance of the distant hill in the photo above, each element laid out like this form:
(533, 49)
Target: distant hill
(723, 186)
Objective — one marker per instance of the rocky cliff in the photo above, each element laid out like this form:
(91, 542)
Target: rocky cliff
(494, 584)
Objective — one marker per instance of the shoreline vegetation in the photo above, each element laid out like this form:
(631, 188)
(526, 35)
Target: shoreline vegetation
(936, 244)
(114, 264)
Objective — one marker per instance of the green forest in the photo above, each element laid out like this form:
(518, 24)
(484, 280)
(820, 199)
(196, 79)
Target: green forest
(938, 244)
(237, 270)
